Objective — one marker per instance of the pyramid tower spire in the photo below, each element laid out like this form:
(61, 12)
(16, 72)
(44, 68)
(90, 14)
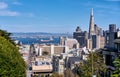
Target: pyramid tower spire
(91, 25)
(92, 12)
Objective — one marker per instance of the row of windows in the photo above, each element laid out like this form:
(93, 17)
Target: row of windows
(42, 63)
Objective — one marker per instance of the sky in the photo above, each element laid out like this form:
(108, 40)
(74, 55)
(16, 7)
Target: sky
(57, 16)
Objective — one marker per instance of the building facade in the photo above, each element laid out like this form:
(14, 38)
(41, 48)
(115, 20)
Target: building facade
(81, 37)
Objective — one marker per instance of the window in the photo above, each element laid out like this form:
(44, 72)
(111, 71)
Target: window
(47, 63)
(36, 63)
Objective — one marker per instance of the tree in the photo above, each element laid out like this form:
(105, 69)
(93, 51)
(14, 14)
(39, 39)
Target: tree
(11, 62)
(116, 72)
(6, 35)
(94, 65)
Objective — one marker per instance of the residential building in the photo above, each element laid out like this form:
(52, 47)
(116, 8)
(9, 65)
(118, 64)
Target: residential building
(41, 66)
(58, 64)
(50, 49)
(24, 51)
(69, 42)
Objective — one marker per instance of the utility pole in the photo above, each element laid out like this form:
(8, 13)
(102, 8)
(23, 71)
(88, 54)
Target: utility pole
(92, 64)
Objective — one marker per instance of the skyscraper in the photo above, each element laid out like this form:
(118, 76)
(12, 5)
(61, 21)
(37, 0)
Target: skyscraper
(112, 27)
(91, 25)
(81, 36)
(112, 30)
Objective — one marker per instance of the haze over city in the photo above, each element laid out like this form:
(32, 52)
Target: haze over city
(56, 16)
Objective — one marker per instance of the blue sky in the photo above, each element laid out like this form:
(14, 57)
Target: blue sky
(57, 16)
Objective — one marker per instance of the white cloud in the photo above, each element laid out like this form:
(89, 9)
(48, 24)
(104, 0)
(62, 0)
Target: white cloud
(17, 3)
(3, 5)
(5, 12)
(9, 13)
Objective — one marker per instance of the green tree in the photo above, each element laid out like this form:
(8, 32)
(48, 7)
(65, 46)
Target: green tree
(94, 65)
(116, 72)
(6, 35)
(11, 62)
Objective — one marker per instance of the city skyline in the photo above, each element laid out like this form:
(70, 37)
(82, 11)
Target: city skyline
(56, 16)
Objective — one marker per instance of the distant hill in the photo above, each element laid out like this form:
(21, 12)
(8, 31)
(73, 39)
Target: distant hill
(39, 34)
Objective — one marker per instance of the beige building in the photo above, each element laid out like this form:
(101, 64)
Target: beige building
(41, 66)
(70, 42)
(89, 43)
(50, 49)
(102, 42)
(96, 42)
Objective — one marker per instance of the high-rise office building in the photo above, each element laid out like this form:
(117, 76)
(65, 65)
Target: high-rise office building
(98, 30)
(112, 27)
(81, 36)
(110, 35)
(112, 30)
(91, 25)
(98, 41)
